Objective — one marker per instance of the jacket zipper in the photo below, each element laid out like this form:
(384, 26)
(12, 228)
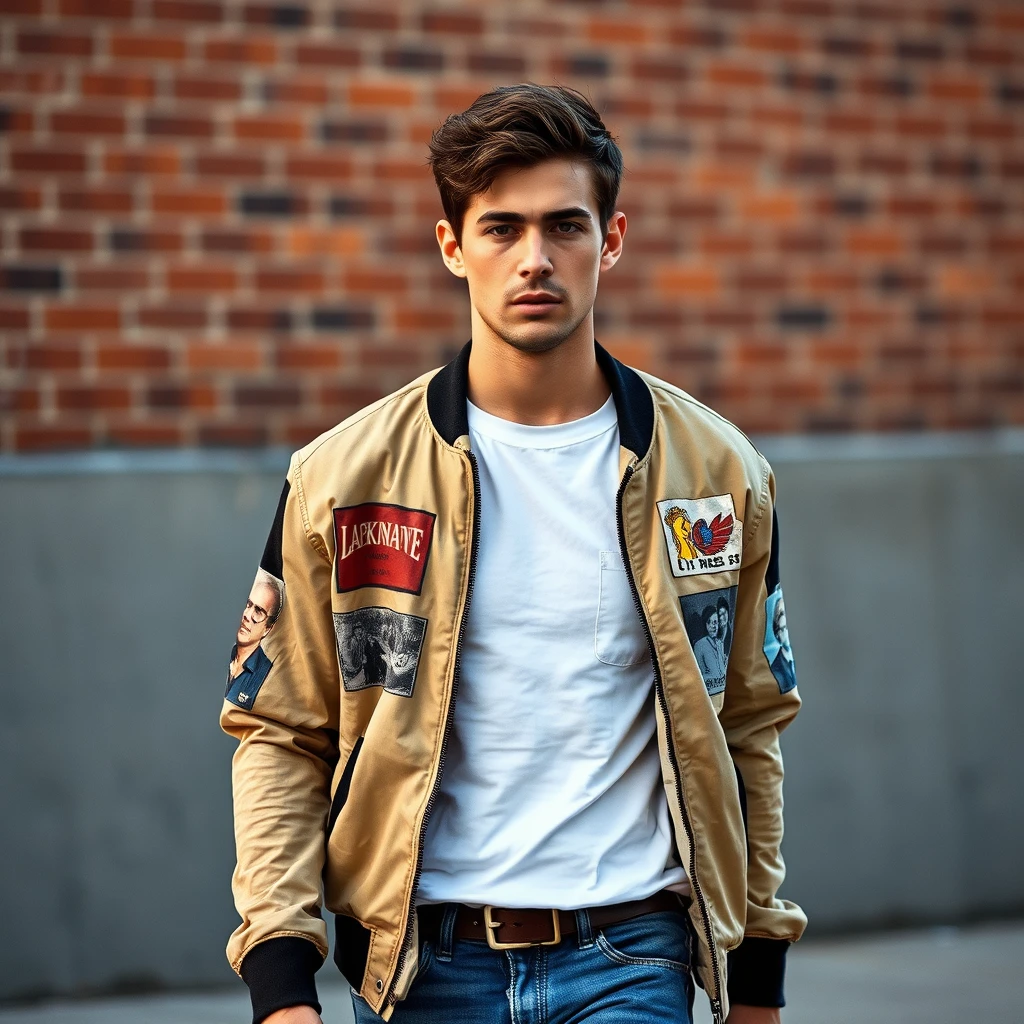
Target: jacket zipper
(716, 1003)
(474, 543)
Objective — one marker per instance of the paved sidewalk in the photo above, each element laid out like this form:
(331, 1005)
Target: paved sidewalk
(945, 976)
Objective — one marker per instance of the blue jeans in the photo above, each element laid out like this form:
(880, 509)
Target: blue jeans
(634, 972)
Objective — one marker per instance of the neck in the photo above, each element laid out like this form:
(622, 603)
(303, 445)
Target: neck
(536, 388)
(241, 653)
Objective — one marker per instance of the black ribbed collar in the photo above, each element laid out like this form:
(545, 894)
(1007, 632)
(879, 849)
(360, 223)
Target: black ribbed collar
(449, 388)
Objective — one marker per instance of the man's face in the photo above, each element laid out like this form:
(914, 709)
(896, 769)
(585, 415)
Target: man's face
(531, 252)
(255, 624)
(781, 631)
(723, 619)
(712, 626)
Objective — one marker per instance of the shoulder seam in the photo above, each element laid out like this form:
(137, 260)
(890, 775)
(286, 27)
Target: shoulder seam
(300, 493)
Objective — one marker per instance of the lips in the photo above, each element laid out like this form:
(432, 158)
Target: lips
(536, 299)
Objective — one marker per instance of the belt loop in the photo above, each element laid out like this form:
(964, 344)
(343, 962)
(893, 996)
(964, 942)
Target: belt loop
(584, 933)
(446, 932)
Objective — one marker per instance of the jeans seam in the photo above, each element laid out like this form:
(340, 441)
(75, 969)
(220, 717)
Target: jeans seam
(638, 961)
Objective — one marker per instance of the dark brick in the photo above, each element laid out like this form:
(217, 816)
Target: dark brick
(278, 15)
(135, 240)
(809, 165)
(803, 317)
(586, 65)
(340, 318)
(937, 316)
(846, 46)
(919, 49)
(950, 166)
(260, 319)
(496, 63)
(270, 204)
(354, 131)
(892, 279)
(31, 279)
(851, 206)
(1011, 92)
(888, 85)
(413, 59)
(961, 17)
(262, 396)
(808, 81)
(358, 206)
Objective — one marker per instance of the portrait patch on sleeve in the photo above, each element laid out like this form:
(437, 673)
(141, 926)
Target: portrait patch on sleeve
(380, 545)
(249, 665)
(702, 535)
(776, 641)
(708, 618)
(379, 647)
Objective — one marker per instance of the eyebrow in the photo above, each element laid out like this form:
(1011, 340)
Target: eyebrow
(508, 217)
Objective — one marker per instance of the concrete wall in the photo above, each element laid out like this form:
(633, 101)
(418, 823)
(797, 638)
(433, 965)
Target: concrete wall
(123, 580)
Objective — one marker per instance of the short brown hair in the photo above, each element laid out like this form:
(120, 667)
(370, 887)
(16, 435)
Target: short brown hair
(521, 126)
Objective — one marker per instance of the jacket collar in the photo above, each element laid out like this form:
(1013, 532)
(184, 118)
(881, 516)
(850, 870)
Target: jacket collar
(449, 387)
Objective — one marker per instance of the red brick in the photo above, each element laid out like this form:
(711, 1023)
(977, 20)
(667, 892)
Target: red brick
(114, 277)
(245, 50)
(368, 94)
(132, 357)
(96, 200)
(19, 400)
(50, 438)
(233, 435)
(119, 86)
(55, 240)
(87, 122)
(368, 17)
(617, 31)
(47, 160)
(238, 241)
(298, 90)
(328, 55)
(132, 239)
(288, 15)
(319, 166)
(55, 44)
(33, 8)
(270, 129)
(203, 12)
(307, 280)
(83, 318)
(52, 357)
(31, 80)
(173, 316)
(16, 122)
(452, 23)
(336, 241)
(14, 318)
(220, 164)
(147, 46)
(107, 10)
(175, 395)
(771, 40)
(20, 198)
(203, 277)
(307, 357)
(207, 201)
(734, 75)
(665, 69)
(205, 87)
(164, 160)
(179, 126)
(228, 356)
(144, 435)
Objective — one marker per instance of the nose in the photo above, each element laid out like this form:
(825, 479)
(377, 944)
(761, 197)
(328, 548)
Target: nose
(534, 260)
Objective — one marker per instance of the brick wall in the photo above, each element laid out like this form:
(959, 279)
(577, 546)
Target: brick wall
(217, 221)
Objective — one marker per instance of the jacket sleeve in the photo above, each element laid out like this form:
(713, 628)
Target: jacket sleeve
(284, 715)
(758, 705)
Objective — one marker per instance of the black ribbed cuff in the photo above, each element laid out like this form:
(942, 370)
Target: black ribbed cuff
(757, 972)
(281, 972)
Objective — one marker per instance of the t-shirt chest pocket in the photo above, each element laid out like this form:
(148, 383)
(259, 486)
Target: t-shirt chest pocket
(618, 633)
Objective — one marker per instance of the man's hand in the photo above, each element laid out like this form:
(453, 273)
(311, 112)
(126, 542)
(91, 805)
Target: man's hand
(745, 1015)
(294, 1015)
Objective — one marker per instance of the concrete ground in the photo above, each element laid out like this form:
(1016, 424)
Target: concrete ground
(943, 976)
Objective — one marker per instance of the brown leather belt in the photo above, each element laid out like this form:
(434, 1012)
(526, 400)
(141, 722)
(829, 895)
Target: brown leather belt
(506, 928)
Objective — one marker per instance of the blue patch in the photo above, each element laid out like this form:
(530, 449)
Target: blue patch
(243, 688)
(776, 641)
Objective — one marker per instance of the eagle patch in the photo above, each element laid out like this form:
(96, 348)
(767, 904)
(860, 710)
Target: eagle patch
(702, 535)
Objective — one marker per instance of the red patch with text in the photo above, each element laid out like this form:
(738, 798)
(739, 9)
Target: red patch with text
(381, 546)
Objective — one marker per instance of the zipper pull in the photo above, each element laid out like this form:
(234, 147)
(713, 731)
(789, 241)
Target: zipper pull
(716, 1012)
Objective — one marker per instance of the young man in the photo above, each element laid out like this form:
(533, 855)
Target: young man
(544, 813)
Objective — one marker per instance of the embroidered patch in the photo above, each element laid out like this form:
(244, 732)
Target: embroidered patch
(381, 545)
(249, 666)
(379, 647)
(708, 619)
(702, 534)
(776, 641)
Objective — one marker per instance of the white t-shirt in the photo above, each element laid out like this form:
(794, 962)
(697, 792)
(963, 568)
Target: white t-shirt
(552, 792)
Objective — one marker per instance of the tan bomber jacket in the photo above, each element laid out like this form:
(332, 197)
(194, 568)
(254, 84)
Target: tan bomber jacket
(343, 710)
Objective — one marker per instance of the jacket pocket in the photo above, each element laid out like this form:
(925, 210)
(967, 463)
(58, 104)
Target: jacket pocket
(618, 635)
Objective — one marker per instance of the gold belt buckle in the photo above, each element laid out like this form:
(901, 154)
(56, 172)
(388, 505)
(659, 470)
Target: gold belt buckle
(492, 926)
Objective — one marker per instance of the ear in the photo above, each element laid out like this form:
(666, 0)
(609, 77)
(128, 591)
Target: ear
(451, 253)
(612, 249)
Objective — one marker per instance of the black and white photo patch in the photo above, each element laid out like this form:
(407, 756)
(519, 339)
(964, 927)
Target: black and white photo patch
(379, 647)
(709, 618)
